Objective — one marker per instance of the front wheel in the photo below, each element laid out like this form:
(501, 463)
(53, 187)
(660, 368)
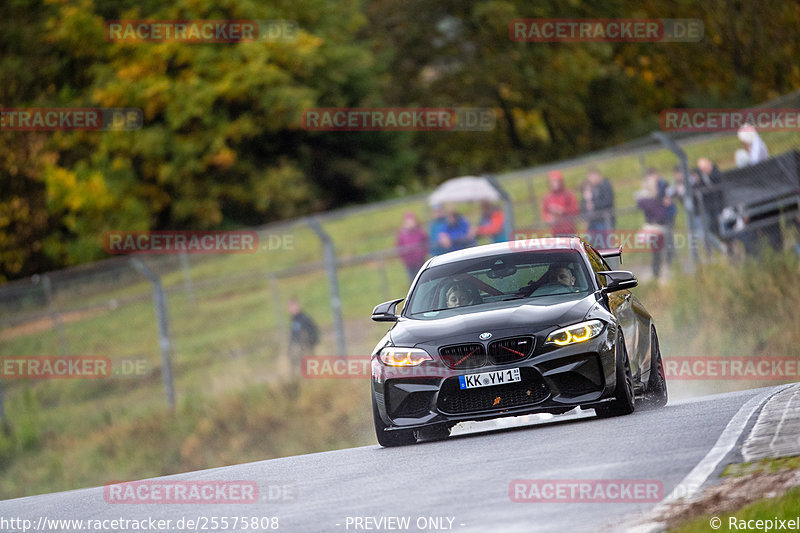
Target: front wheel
(656, 394)
(623, 402)
(388, 439)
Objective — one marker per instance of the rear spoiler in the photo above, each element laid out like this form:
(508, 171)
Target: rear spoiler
(611, 252)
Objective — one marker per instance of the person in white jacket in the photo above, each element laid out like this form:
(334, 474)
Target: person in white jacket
(756, 149)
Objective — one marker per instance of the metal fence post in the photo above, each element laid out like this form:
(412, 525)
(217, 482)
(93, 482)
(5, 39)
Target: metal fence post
(3, 419)
(329, 254)
(187, 278)
(163, 329)
(55, 316)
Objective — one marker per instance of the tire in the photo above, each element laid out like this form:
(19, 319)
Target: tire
(388, 439)
(656, 394)
(623, 402)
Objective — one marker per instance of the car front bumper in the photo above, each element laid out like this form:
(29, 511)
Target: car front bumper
(554, 380)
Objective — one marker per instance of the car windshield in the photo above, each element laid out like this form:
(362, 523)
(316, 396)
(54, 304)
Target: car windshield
(490, 281)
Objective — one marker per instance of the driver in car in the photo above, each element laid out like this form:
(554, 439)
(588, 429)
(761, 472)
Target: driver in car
(562, 276)
(552, 282)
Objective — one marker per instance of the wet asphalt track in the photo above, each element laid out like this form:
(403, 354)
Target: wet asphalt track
(464, 479)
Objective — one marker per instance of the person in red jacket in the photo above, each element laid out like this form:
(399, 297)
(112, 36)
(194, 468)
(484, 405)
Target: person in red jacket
(559, 207)
(492, 223)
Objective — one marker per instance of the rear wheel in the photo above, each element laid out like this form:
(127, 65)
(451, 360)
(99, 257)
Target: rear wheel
(397, 437)
(656, 394)
(623, 402)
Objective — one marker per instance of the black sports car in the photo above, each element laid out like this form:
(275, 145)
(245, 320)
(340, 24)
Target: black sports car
(513, 328)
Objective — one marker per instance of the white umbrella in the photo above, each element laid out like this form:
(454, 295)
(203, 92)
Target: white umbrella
(464, 189)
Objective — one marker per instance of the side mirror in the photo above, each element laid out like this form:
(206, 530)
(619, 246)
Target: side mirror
(386, 312)
(618, 280)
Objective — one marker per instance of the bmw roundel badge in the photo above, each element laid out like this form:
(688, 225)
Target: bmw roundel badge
(485, 336)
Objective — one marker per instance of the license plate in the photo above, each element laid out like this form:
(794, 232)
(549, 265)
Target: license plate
(487, 379)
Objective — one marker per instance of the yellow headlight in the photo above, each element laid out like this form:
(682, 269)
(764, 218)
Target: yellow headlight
(577, 333)
(404, 356)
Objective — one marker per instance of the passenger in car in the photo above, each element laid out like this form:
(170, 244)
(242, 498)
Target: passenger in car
(458, 295)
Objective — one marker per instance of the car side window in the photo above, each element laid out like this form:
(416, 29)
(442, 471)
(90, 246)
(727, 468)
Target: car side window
(598, 265)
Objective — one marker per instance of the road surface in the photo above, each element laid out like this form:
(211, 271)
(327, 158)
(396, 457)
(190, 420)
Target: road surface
(461, 484)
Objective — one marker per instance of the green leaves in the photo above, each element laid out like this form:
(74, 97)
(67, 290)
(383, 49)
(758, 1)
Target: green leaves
(222, 143)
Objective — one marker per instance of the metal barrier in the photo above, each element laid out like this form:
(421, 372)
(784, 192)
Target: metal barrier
(226, 309)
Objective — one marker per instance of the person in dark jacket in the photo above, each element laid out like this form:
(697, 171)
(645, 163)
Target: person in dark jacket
(597, 206)
(304, 334)
(437, 225)
(455, 233)
(659, 215)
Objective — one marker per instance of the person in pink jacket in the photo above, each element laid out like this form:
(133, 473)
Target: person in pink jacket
(412, 244)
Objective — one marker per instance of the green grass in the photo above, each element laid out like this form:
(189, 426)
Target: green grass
(767, 465)
(228, 344)
(782, 508)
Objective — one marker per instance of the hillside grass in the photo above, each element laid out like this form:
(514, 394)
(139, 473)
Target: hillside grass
(229, 343)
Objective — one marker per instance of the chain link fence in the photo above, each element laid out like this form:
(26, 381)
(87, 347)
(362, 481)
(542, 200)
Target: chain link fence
(225, 319)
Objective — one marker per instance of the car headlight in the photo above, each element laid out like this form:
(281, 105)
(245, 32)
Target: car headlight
(575, 333)
(399, 356)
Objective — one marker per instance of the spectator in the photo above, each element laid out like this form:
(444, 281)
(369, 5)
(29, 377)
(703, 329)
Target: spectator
(667, 196)
(687, 193)
(455, 234)
(304, 335)
(656, 205)
(597, 205)
(492, 223)
(437, 226)
(559, 207)
(710, 189)
(412, 244)
(756, 149)
(742, 158)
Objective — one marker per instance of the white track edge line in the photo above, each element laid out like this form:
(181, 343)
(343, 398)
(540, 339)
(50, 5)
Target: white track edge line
(699, 474)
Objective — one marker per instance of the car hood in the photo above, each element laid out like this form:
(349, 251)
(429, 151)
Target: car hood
(409, 332)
